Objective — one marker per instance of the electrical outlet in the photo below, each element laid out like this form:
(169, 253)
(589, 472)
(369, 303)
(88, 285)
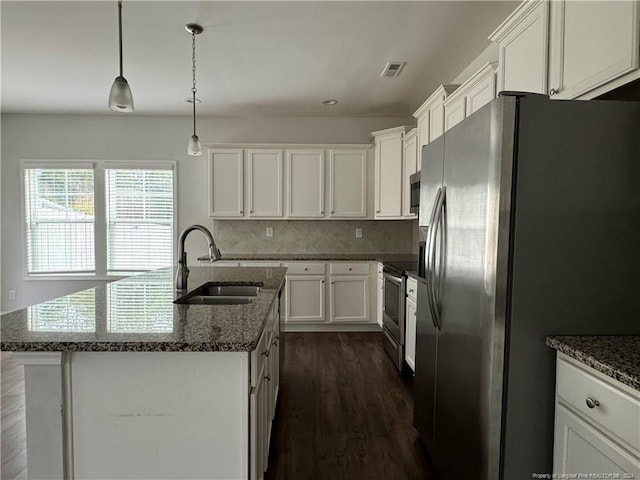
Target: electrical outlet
(12, 294)
(358, 233)
(269, 231)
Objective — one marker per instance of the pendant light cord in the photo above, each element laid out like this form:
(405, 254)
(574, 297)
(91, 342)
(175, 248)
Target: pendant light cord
(193, 70)
(120, 32)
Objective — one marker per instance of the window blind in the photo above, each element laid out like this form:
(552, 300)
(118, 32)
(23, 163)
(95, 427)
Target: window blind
(59, 209)
(139, 205)
(73, 313)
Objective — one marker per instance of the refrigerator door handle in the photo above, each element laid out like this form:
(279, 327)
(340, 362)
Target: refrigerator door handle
(429, 256)
(433, 280)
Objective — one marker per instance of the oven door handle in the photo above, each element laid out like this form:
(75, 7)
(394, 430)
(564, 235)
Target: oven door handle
(392, 278)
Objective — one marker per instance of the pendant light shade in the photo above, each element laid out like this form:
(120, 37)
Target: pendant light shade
(193, 148)
(120, 98)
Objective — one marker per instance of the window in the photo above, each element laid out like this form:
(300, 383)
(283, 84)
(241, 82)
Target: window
(139, 219)
(59, 220)
(98, 219)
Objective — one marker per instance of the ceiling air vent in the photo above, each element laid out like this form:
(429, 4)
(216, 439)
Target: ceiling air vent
(393, 69)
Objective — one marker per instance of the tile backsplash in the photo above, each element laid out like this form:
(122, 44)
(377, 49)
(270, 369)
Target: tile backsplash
(314, 236)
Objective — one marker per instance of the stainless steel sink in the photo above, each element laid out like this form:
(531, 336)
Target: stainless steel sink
(213, 293)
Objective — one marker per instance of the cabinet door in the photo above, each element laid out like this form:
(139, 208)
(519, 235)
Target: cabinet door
(522, 44)
(436, 121)
(389, 176)
(581, 448)
(410, 335)
(348, 183)
(591, 44)
(265, 183)
(305, 299)
(380, 296)
(480, 94)
(409, 167)
(225, 183)
(423, 130)
(454, 112)
(349, 299)
(306, 183)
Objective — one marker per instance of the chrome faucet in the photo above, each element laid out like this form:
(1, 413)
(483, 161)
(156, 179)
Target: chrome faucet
(182, 273)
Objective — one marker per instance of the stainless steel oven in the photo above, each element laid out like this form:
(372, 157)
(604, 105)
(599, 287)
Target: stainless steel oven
(393, 315)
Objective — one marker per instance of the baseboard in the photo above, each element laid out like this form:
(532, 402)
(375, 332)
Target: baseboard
(331, 327)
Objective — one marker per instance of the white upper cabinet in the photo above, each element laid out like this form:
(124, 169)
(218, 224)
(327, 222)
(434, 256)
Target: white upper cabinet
(348, 183)
(592, 45)
(430, 116)
(522, 41)
(409, 167)
(226, 183)
(388, 172)
(305, 183)
(473, 94)
(265, 183)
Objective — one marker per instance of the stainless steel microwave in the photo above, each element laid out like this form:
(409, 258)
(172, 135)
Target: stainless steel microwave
(414, 183)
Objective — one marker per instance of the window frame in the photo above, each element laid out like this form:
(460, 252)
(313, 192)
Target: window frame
(99, 168)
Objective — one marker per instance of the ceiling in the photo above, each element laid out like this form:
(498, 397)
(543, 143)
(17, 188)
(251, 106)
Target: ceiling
(254, 58)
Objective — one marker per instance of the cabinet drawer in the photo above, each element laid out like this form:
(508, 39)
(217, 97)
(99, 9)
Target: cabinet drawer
(261, 353)
(412, 289)
(260, 264)
(304, 268)
(349, 268)
(617, 411)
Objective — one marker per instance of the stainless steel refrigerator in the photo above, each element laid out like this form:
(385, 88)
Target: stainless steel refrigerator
(532, 214)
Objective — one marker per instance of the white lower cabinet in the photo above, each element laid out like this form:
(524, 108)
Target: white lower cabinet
(305, 298)
(379, 294)
(410, 323)
(349, 299)
(346, 304)
(597, 424)
(264, 395)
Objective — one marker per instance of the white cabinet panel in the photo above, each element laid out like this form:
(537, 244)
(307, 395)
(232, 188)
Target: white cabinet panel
(481, 94)
(388, 174)
(410, 334)
(430, 117)
(265, 183)
(454, 112)
(522, 41)
(349, 299)
(305, 299)
(436, 120)
(226, 183)
(581, 448)
(305, 183)
(348, 183)
(409, 167)
(591, 43)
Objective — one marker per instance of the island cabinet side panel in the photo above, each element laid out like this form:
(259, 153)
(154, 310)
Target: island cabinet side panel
(161, 415)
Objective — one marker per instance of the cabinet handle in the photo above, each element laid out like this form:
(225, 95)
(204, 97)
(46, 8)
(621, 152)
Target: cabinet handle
(250, 211)
(331, 283)
(415, 314)
(265, 353)
(591, 403)
(377, 211)
(332, 212)
(411, 290)
(350, 268)
(306, 268)
(240, 211)
(552, 92)
(267, 378)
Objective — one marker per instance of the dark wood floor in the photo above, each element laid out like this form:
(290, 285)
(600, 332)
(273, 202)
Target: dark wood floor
(13, 450)
(344, 413)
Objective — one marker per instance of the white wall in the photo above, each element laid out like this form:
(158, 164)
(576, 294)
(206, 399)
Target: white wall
(488, 55)
(125, 137)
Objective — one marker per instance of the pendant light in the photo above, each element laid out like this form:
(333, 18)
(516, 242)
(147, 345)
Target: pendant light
(120, 98)
(194, 147)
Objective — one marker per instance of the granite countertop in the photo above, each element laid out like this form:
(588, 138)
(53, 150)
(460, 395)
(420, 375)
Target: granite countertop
(138, 314)
(615, 356)
(320, 257)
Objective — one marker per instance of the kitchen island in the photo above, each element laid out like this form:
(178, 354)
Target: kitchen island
(149, 388)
